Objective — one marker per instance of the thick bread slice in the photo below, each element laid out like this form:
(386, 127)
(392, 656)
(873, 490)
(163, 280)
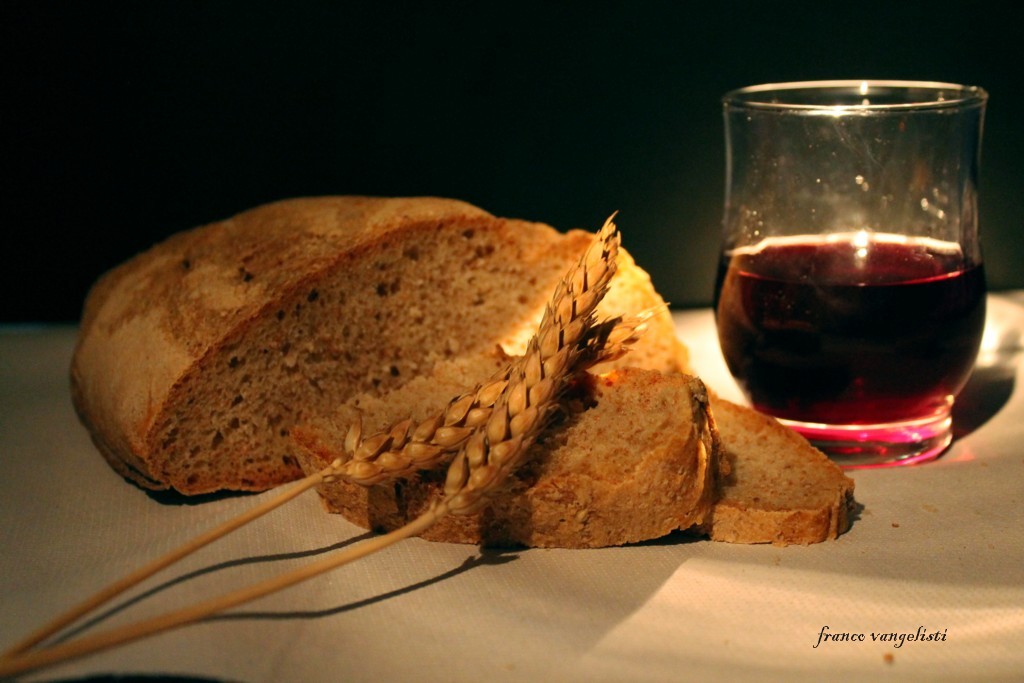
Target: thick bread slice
(196, 357)
(636, 464)
(779, 488)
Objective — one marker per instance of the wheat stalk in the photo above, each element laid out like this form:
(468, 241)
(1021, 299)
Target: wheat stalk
(484, 460)
(146, 571)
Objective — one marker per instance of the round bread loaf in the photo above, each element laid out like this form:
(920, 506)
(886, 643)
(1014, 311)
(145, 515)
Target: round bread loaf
(196, 357)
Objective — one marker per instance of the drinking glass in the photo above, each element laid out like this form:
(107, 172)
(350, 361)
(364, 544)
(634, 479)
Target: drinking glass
(850, 296)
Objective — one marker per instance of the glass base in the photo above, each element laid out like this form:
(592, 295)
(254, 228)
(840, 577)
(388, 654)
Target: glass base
(880, 445)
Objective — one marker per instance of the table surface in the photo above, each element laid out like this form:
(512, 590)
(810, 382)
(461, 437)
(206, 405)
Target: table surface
(937, 549)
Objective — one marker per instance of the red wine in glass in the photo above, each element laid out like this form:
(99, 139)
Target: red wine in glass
(853, 335)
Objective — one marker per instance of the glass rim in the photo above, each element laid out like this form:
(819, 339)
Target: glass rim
(766, 96)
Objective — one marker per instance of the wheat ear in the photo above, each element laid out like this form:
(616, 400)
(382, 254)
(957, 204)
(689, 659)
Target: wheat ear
(536, 383)
(405, 447)
(492, 452)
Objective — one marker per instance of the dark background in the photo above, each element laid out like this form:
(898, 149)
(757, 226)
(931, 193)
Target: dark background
(125, 122)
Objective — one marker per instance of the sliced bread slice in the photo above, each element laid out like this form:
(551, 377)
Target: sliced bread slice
(778, 488)
(637, 463)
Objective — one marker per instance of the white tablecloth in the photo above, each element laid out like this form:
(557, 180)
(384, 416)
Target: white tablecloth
(937, 549)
